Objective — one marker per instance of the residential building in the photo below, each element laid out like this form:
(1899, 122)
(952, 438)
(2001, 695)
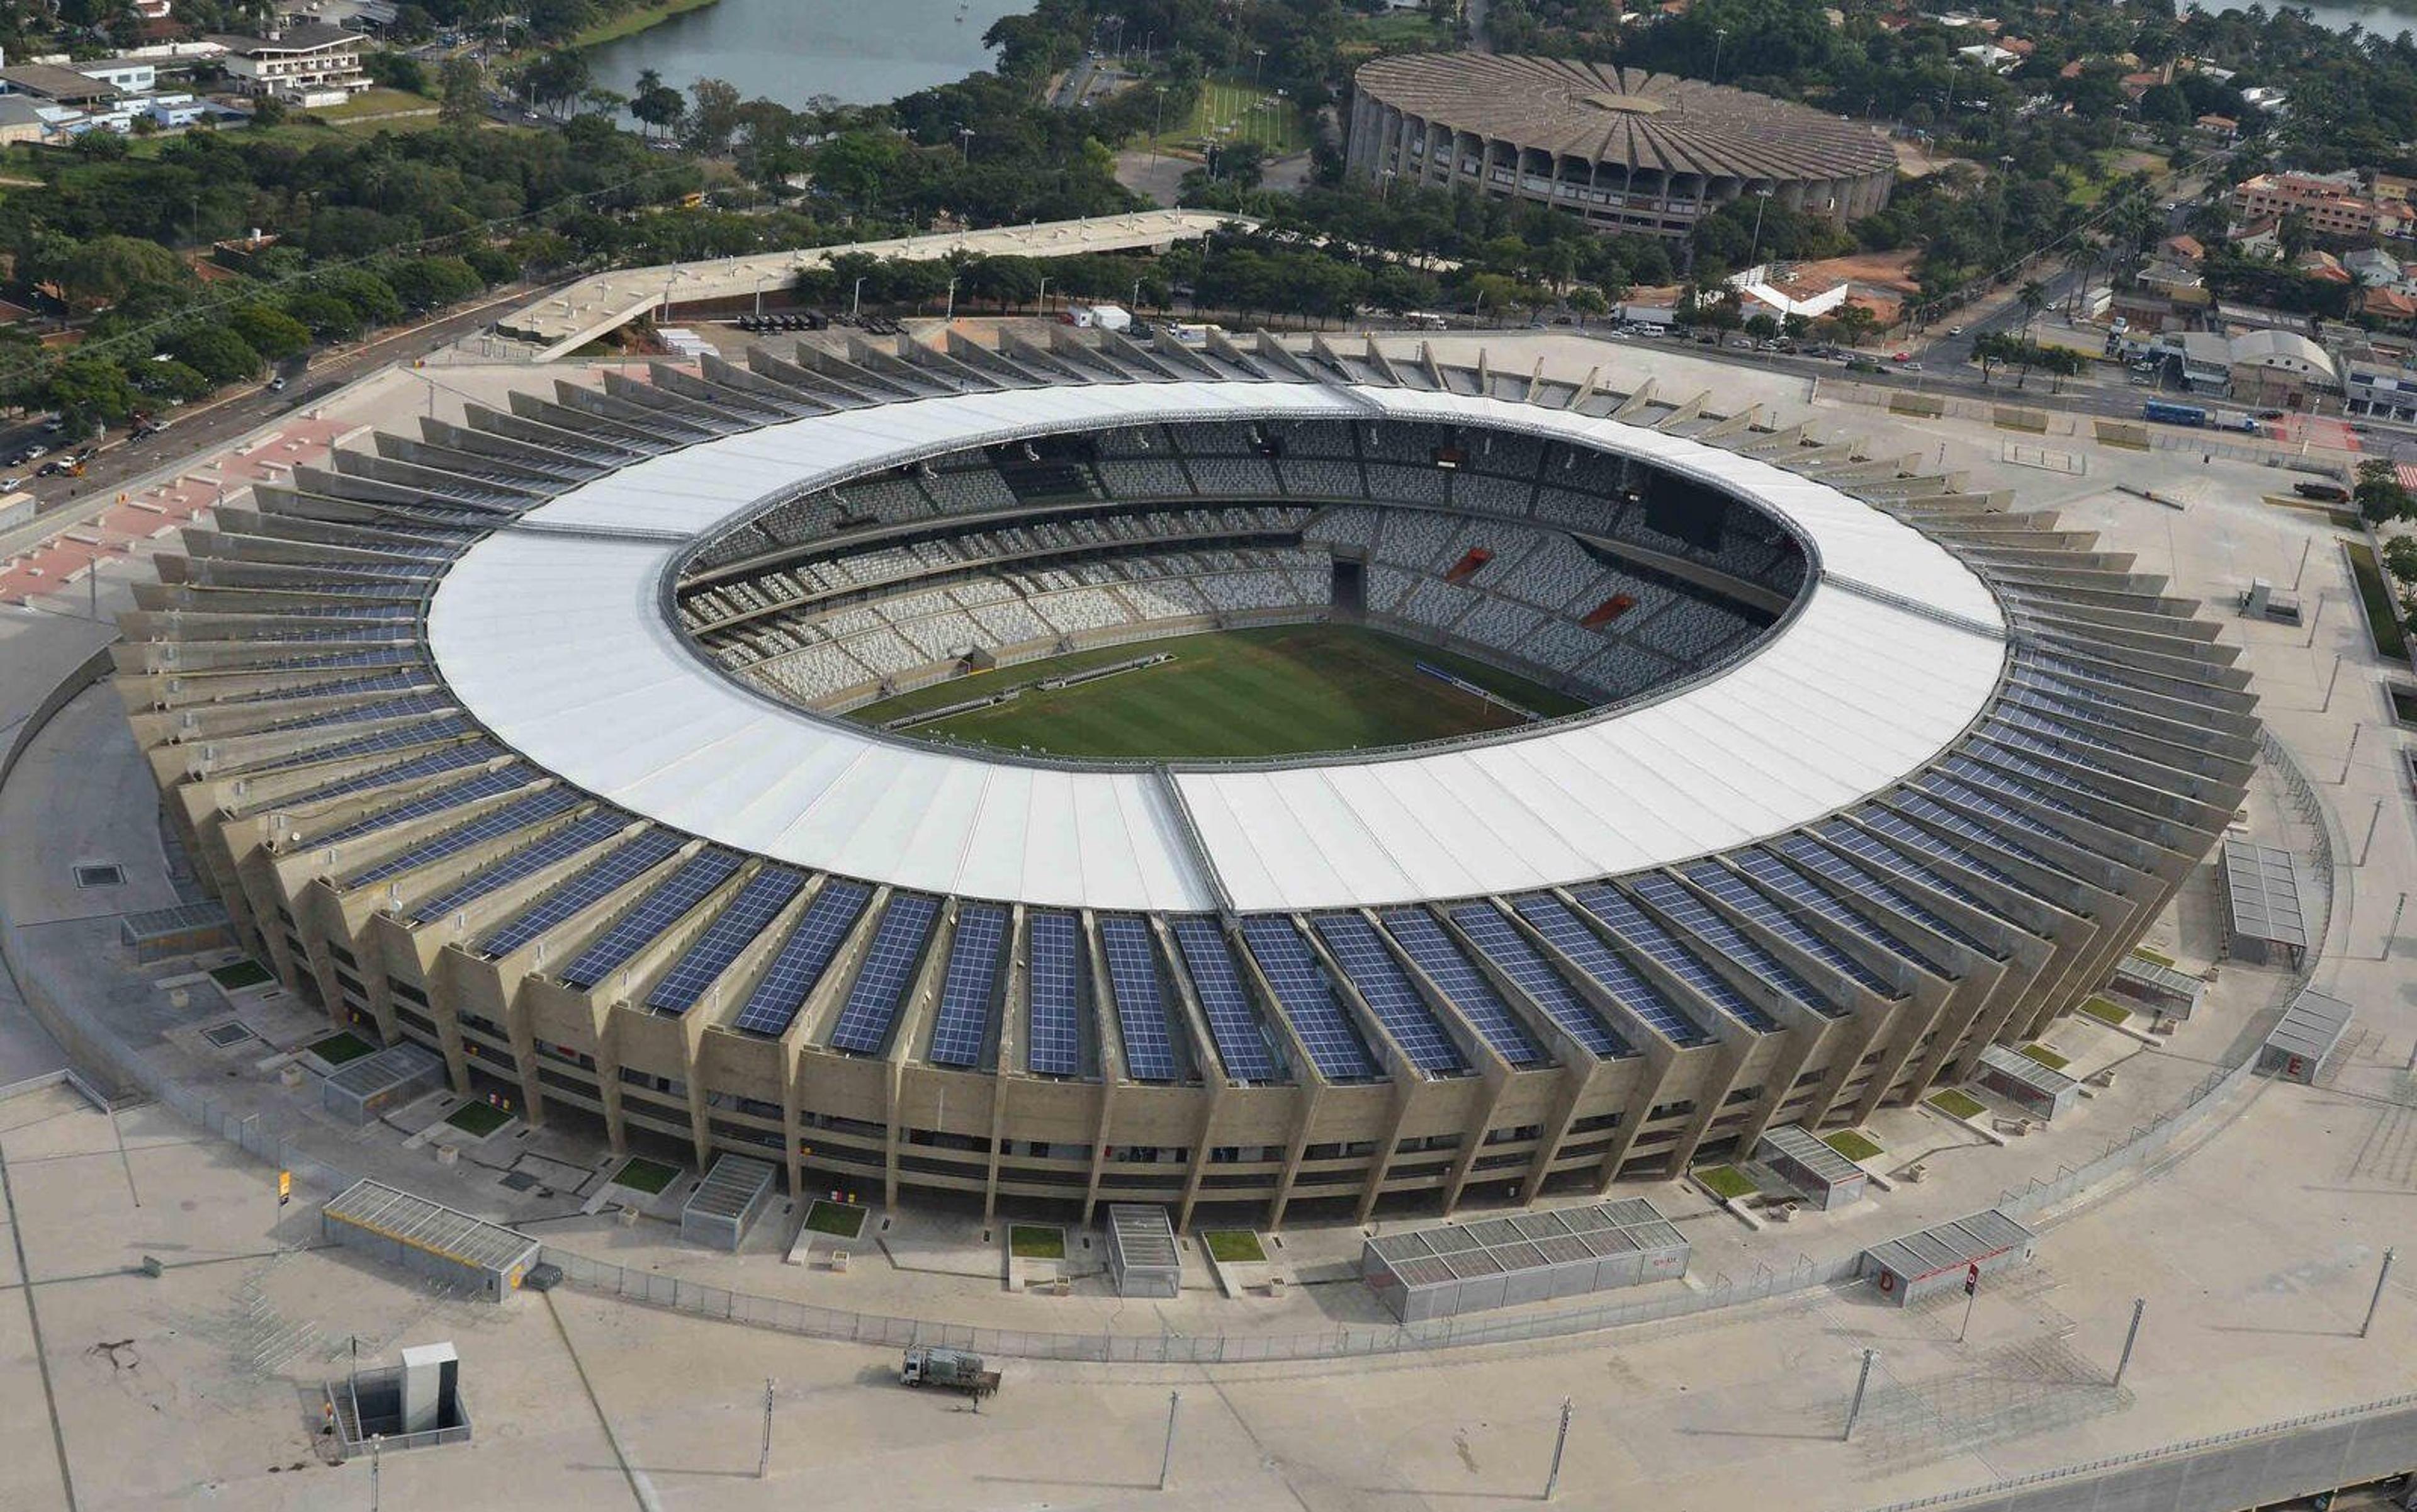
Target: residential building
(2183, 249)
(2387, 304)
(309, 66)
(2327, 202)
(20, 120)
(58, 85)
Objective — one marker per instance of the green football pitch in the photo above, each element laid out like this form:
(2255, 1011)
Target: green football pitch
(1278, 689)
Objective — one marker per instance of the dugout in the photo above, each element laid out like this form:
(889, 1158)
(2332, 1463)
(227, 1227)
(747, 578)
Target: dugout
(429, 1239)
(1142, 1258)
(361, 1090)
(2034, 1087)
(1533, 1257)
(1795, 1155)
(2310, 1029)
(727, 1202)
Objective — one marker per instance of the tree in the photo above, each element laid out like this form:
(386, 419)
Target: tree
(655, 105)
(371, 298)
(396, 71)
(2380, 492)
(556, 78)
(105, 269)
(463, 91)
(88, 391)
(2400, 558)
(712, 117)
(272, 333)
(330, 319)
(1761, 326)
(170, 379)
(215, 352)
(426, 283)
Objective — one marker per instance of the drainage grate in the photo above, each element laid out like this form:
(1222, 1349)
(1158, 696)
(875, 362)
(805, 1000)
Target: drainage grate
(106, 874)
(519, 1181)
(228, 1035)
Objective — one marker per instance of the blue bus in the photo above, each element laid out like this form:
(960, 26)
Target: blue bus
(2170, 414)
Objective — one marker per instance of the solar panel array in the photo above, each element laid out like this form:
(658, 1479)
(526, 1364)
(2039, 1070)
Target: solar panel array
(436, 801)
(1301, 985)
(1586, 950)
(961, 1026)
(803, 958)
(1971, 796)
(427, 764)
(765, 894)
(493, 825)
(1388, 994)
(1141, 1003)
(1903, 831)
(618, 870)
(1707, 924)
(1798, 897)
(1545, 988)
(1241, 1041)
(881, 982)
(1054, 1036)
(1820, 862)
(1874, 851)
(563, 844)
(1463, 984)
(654, 913)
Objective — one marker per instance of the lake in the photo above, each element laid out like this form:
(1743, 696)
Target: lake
(790, 50)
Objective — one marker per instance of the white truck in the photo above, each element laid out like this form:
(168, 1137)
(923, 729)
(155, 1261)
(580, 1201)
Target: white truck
(926, 1365)
(1105, 316)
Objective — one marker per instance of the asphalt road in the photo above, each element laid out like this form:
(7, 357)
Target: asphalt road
(198, 429)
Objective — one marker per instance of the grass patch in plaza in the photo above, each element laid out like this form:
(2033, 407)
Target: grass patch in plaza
(1278, 689)
(340, 1046)
(2155, 956)
(478, 1119)
(1727, 1183)
(639, 1174)
(2107, 1013)
(1852, 1145)
(236, 975)
(1036, 1241)
(1234, 1246)
(1955, 1103)
(2382, 619)
(2046, 1057)
(843, 1220)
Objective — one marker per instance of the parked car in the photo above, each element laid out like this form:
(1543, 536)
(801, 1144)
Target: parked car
(277, 385)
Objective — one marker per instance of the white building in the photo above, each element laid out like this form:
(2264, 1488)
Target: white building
(309, 66)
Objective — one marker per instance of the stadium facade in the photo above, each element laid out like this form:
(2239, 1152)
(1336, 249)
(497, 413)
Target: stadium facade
(505, 739)
(1628, 150)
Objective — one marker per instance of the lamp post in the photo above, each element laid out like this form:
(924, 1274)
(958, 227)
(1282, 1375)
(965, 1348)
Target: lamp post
(1040, 301)
(1720, 40)
(855, 296)
(966, 144)
(1762, 198)
(951, 313)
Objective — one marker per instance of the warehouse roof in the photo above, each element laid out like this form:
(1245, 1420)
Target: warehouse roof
(560, 644)
(1650, 121)
(1951, 1246)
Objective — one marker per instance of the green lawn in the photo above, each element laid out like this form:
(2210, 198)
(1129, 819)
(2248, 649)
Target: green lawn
(2383, 613)
(236, 975)
(478, 1119)
(842, 1220)
(1036, 1241)
(1394, 28)
(1275, 690)
(1727, 1183)
(2107, 1013)
(376, 100)
(2046, 1057)
(1232, 110)
(633, 21)
(640, 1175)
(1852, 1145)
(340, 1048)
(1234, 1246)
(2160, 958)
(1955, 1103)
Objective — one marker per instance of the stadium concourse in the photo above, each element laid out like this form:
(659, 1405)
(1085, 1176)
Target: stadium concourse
(515, 739)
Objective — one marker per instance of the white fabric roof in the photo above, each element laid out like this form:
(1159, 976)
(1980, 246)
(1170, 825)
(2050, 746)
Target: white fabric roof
(560, 646)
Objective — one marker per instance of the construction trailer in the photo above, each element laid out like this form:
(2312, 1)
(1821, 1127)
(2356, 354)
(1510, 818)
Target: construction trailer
(1937, 1259)
(467, 1255)
(1795, 1155)
(727, 1202)
(2265, 922)
(2036, 1088)
(359, 1090)
(1532, 1257)
(1143, 1260)
(2157, 989)
(2310, 1031)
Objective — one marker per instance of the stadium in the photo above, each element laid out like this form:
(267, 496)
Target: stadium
(1085, 770)
(1629, 151)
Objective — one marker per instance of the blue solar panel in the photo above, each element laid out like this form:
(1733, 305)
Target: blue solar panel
(430, 763)
(1722, 937)
(492, 825)
(1897, 827)
(1734, 891)
(961, 1026)
(563, 844)
(1972, 798)
(1796, 889)
(1463, 983)
(1241, 1041)
(1308, 999)
(436, 800)
(765, 894)
(1586, 950)
(1054, 1038)
(414, 702)
(803, 958)
(1141, 1003)
(1388, 992)
(656, 911)
(352, 687)
(1657, 943)
(2039, 778)
(624, 865)
(888, 966)
(1545, 988)
(1889, 859)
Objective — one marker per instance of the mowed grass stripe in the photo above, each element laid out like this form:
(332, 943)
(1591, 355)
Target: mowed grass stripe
(1271, 691)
